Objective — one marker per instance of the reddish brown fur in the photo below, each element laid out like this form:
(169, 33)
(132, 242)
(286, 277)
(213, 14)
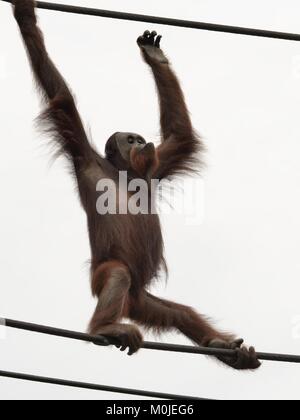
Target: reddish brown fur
(114, 281)
(145, 163)
(127, 250)
(102, 274)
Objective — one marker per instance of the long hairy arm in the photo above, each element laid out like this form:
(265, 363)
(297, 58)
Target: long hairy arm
(61, 117)
(180, 148)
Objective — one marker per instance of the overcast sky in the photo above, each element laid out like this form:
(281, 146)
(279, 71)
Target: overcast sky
(240, 266)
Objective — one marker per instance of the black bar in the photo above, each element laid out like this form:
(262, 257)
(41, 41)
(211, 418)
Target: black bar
(95, 387)
(167, 21)
(103, 341)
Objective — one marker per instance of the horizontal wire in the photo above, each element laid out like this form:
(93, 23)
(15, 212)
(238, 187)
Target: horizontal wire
(166, 21)
(104, 341)
(95, 387)
(58, 332)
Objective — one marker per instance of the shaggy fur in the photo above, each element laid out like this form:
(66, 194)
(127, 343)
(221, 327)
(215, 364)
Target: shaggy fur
(127, 250)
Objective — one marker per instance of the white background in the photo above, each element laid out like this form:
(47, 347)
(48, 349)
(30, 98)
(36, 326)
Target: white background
(241, 266)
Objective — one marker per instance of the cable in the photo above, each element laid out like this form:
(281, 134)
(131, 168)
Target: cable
(166, 21)
(42, 329)
(102, 341)
(95, 387)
